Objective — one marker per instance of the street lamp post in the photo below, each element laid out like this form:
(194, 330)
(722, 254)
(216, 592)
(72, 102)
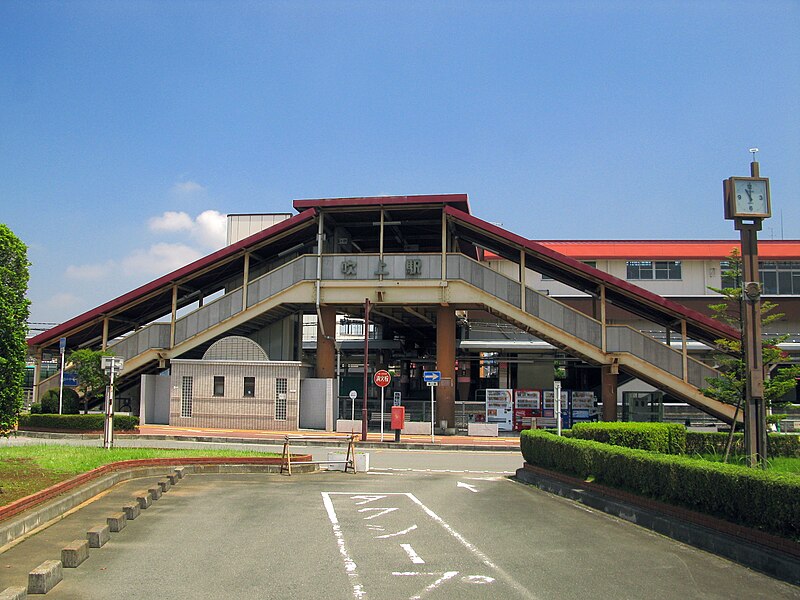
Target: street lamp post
(747, 203)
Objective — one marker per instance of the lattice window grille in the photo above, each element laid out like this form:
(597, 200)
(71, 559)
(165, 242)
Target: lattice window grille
(186, 396)
(281, 389)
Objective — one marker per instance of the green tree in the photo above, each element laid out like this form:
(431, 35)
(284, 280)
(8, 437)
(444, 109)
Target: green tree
(14, 310)
(730, 386)
(92, 381)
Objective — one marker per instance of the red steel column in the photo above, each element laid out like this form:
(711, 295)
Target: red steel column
(326, 347)
(608, 390)
(446, 363)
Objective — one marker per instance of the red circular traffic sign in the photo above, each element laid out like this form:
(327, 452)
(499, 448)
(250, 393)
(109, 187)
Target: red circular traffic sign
(382, 378)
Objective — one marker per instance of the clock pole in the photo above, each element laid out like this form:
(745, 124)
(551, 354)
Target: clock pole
(748, 223)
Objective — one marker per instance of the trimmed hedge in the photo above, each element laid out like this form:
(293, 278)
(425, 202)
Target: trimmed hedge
(751, 497)
(70, 402)
(93, 422)
(778, 444)
(666, 438)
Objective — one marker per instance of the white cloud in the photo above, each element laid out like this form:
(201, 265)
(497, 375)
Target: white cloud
(90, 272)
(185, 188)
(209, 228)
(171, 221)
(159, 259)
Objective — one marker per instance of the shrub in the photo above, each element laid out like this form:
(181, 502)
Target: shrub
(93, 422)
(70, 402)
(752, 497)
(667, 438)
(36, 408)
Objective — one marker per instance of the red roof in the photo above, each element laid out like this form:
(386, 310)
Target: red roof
(459, 201)
(670, 249)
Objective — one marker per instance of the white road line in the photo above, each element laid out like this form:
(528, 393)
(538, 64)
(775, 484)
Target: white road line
(379, 471)
(435, 584)
(522, 590)
(415, 558)
(388, 535)
(380, 513)
(349, 563)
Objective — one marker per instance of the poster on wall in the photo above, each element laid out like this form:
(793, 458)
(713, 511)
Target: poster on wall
(526, 406)
(499, 409)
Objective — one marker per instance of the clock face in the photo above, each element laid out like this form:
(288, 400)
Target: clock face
(750, 197)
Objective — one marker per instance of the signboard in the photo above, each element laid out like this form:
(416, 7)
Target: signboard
(70, 379)
(499, 409)
(111, 363)
(382, 378)
(431, 377)
(353, 394)
(396, 399)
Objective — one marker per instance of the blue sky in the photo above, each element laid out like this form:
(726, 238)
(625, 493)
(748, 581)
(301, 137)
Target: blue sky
(129, 129)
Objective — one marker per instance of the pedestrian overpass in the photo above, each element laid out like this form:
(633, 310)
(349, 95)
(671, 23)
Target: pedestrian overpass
(417, 259)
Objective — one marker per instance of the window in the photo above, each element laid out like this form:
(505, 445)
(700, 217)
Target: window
(730, 274)
(219, 386)
(281, 388)
(654, 269)
(186, 397)
(249, 387)
(780, 277)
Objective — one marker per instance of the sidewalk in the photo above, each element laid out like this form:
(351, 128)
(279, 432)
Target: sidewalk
(246, 436)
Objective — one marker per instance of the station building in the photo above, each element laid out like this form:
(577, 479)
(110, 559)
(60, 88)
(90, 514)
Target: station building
(269, 332)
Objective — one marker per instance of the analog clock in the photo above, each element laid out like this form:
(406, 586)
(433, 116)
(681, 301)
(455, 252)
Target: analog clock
(749, 197)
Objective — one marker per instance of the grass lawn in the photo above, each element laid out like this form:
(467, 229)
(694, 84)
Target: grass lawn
(25, 470)
(786, 466)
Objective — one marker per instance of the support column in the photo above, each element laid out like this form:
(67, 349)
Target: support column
(326, 342)
(104, 346)
(174, 316)
(446, 363)
(608, 391)
(37, 373)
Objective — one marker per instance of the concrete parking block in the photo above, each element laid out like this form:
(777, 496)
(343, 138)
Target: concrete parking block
(131, 510)
(97, 536)
(180, 472)
(74, 554)
(155, 492)
(45, 577)
(14, 593)
(173, 479)
(117, 522)
(165, 485)
(144, 499)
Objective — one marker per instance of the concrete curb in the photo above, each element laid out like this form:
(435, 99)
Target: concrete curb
(767, 560)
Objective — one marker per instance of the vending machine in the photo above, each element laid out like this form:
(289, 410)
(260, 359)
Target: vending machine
(527, 406)
(549, 413)
(584, 407)
(499, 409)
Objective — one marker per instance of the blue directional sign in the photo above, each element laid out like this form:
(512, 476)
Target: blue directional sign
(431, 376)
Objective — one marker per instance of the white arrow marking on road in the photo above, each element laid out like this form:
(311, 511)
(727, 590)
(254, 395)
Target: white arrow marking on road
(380, 513)
(471, 488)
(415, 558)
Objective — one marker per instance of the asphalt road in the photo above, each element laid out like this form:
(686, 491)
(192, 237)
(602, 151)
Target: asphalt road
(393, 533)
